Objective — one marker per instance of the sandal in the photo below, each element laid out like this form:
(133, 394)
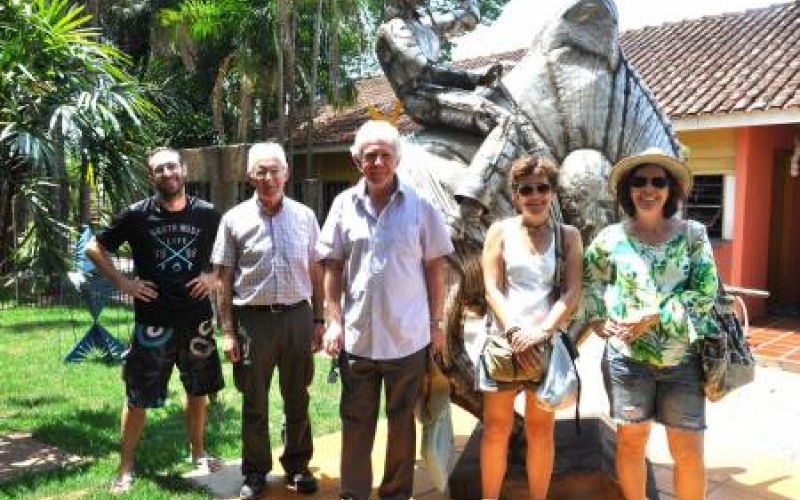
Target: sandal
(208, 463)
(122, 484)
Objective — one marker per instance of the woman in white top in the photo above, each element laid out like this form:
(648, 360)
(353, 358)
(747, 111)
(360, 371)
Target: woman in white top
(519, 257)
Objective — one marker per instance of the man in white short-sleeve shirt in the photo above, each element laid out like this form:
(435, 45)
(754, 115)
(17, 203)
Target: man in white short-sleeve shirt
(384, 248)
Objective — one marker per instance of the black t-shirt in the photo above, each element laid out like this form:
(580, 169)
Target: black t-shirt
(169, 249)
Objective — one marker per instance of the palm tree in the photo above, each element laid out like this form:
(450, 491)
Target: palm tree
(66, 106)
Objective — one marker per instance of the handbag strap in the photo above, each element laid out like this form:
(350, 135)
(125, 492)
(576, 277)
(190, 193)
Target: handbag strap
(721, 292)
(558, 241)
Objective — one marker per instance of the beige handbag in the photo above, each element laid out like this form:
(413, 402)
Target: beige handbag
(501, 363)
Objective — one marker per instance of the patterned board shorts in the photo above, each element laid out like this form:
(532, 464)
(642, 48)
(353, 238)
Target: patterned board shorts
(154, 350)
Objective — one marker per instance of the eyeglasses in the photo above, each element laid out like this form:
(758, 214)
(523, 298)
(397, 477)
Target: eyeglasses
(528, 189)
(640, 181)
(262, 174)
(163, 168)
(374, 156)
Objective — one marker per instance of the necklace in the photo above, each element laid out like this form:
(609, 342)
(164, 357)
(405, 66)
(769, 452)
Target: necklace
(536, 229)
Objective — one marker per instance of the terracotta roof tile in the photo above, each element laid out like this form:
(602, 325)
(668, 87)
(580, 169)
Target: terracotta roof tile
(741, 61)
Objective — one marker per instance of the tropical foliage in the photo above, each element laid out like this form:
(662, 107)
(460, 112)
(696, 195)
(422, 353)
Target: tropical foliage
(70, 117)
(75, 117)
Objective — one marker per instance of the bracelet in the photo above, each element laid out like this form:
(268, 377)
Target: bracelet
(319, 321)
(511, 331)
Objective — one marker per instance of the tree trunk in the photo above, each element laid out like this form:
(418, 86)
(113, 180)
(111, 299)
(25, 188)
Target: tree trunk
(334, 55)
(312, 92)
(7, 192)
(291, 84)
(246, 110)
(84, 193)
(217, 97)
(283, 29)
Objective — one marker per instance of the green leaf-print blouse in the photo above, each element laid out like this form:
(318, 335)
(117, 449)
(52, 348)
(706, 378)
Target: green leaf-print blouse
(625, 278)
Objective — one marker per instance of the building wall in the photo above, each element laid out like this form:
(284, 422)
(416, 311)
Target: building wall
(755, 155)
(713, 151)
(749, 154)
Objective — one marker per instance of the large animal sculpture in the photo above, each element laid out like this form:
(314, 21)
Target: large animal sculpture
(573, 96)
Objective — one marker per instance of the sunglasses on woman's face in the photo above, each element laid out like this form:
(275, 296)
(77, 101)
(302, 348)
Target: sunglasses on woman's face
(640, 181)
(529, 189)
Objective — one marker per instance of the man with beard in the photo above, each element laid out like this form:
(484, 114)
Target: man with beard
(170, 236)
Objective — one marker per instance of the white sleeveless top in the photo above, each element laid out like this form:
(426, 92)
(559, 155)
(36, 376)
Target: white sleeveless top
(529, 277)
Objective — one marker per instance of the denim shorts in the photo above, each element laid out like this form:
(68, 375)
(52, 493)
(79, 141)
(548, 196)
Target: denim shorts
(638, 392)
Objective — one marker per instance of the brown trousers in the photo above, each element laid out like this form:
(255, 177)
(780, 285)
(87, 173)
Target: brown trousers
(271, 340)
(362, 379)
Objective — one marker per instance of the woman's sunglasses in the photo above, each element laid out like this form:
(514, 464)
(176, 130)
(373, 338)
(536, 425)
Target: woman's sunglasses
(528, 189)
(640, 181)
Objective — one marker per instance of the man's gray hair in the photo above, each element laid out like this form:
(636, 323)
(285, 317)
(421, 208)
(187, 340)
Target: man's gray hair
(376, 130)
(265, 151)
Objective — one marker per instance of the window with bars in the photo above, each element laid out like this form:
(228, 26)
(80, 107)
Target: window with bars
(330, 190)
(244, 190)
(200, 190)
(706, 203)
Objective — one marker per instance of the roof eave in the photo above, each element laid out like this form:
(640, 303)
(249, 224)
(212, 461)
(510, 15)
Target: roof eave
(738, 119)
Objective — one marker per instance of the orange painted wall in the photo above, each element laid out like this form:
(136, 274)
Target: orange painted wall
(723, 253)
(755, 152)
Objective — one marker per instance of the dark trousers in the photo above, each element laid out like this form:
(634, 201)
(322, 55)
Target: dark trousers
(269, 340)
(362, 380)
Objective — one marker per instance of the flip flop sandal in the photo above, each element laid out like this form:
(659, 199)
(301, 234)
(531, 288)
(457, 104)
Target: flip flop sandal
(208, 463)
(122, 484)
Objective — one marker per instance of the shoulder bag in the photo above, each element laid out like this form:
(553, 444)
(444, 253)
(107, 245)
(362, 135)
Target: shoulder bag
(724, 354)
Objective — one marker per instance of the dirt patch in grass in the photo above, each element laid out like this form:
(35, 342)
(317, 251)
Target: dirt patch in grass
(21, 454)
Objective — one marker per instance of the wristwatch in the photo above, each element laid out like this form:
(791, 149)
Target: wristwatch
(437, 323)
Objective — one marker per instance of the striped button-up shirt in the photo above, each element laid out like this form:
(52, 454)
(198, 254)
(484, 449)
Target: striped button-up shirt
(385, 296)
(270, 254)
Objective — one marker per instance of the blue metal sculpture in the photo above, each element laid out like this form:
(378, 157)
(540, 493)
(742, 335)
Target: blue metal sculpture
(95, 290)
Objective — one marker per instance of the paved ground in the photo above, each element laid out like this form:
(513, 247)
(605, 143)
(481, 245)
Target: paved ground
(776, 342)
(753, 443)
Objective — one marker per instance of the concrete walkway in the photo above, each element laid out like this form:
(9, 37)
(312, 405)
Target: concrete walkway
(752, 444)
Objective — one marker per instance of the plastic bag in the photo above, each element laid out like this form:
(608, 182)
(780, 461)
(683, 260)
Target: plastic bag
(561, 385)
(438, 443)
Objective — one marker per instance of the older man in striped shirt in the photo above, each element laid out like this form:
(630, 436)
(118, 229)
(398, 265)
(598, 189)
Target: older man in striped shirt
(271, 311)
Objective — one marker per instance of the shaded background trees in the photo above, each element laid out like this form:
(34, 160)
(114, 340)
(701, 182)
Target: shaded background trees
(89, 86)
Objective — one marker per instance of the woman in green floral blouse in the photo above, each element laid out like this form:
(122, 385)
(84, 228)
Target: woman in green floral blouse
(649, 285)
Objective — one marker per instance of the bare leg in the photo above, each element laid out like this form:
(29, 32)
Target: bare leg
(196, 423)
(132, 425)
(539, 428)
(631, 453)
(686, 448)
(498, 418)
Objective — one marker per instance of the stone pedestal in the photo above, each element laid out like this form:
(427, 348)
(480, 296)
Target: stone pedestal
(583, 469)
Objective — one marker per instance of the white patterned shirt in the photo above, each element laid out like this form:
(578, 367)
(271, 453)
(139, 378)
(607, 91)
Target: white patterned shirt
(270, 254)
(385, 296)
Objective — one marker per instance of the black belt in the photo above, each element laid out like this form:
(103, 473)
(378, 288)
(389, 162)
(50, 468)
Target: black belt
(276, 308)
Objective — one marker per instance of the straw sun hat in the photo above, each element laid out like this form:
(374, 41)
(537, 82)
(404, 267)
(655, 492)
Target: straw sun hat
(651, 156)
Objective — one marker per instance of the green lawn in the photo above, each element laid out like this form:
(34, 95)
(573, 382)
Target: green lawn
(76, 407)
